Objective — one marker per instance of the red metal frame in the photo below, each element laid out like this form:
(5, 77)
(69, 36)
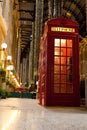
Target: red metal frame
(59, 51)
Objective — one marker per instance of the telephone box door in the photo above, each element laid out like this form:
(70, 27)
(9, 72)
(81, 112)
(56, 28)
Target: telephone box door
(64, 71)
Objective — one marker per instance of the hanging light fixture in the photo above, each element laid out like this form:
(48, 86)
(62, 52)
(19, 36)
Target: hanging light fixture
(3, 45)
(9, 58)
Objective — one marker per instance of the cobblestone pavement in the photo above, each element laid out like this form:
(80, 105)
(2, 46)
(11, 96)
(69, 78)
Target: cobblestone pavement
(27, 114)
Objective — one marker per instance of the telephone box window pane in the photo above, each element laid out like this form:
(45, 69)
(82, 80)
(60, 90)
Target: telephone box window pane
(69, 60)
(69, 43)
(57, 51)
(56, 88)
(63, 60)
(63, 42)
(69, 78)
(56, 68)
(69, 88)
(56, 60)
(56, 79)
(63, 78)
(63, 88)
(57, 42)
(63, 69)
(63, 66)
(69, 51)
(63, 51)
(69, 69)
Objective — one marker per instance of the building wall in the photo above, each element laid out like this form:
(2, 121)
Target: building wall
(7, 13)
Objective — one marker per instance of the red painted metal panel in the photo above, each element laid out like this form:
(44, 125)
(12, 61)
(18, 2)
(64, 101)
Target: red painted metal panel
(59, 64)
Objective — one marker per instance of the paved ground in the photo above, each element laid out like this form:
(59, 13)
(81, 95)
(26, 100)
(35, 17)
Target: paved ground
(26, 114)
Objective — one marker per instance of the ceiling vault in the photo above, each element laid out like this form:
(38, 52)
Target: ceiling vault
(74, 9)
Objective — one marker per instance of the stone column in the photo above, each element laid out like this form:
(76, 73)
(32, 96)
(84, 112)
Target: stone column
(37, 37)
(31, 63)
(50, 9)
(20, 74)
(85, 69)
(41, 17)
(86, 15)
(25, 69)
(58, 8)
(31, 57)
(18, 56)
(55, 11)
(61, 7)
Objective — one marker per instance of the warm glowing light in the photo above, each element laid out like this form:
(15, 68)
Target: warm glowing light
(11, 73)
(57, 51)
(9, 67)
(37, 83)
(10, 120)
(62, 29)
(68, 14)
(57, 42)
(63, 42)
(13, 76)
(9, 57)
(17, 83)
(60, 41)
(3, 45)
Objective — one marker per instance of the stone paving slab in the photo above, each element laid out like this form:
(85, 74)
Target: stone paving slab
(27, 114)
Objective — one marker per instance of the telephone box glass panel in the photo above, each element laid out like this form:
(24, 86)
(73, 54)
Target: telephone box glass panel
(63, 66)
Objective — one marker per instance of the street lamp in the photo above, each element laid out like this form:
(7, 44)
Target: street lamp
(9, 68)
(9, 58)
(4, 46)
(3, 53)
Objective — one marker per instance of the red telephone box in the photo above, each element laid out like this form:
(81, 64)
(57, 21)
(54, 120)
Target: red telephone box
(59, 64)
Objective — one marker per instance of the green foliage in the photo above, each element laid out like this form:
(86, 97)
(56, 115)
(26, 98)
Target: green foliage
(4, 93)
(8, 94)
(7, 82)
(11, 85)
(26, 84)
(3, 79)
(2, 72)
(3, 75)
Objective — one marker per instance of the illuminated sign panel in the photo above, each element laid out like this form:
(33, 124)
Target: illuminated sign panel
(62, 29)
